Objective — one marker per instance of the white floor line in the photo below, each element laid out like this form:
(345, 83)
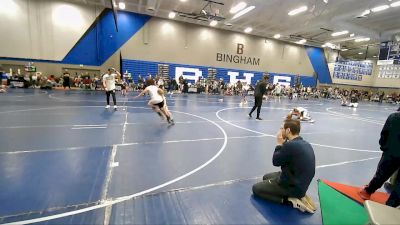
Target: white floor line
(86, 128)
(188, 140)
(354, 117)
(32, 95)
(121, 124)
(77, 100)
(125, 124)
(108, 177)
(327, 132)
(227, 182)
(346, 162)
(125, 198)
(125, 144)
(112, 165)
(107, 213)
(128, 197)
(344, 148)
(89, 125)
(274, 136)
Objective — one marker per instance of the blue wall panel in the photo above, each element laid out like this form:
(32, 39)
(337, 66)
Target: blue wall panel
(138, 67)
(318, 61)
(103, 40)
(85, 51)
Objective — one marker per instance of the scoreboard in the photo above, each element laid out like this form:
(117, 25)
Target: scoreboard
(390, 51)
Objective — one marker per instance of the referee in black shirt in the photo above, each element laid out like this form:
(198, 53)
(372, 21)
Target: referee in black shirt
(259, 92)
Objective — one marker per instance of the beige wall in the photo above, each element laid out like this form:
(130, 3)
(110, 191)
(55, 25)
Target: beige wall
(176, 42)
(42, 29)
(331, 55)
(391, 83)
(56, 68)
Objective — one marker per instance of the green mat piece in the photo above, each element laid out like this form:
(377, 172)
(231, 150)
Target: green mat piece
(338, 209)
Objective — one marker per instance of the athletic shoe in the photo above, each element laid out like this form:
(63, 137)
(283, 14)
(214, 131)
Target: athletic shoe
(108, 106)
(388, 186)
(172, 122)
(250, 115)
(301, 205)
(258, 118)
(310, 202)
(364, 194)
(115, 107)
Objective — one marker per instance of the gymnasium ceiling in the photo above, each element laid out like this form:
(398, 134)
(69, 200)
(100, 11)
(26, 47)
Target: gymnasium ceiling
(270, 17)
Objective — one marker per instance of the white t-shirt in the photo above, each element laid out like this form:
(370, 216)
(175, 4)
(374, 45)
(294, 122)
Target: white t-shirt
(153, 91)
(278, 89)
(110, 81)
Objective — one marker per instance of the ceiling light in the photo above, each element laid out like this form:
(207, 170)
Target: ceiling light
(238, 7)
(213, 23)
(121, 5)
(395, 4)
(171, 15)
(228, 24)
(183, 0)
(366, 12)
(298, 10)
(362, 39)
(380, 8)
(352, 35)
(326, 1)
(204, 12)
(374, 56)
(244, 11)
(302, 41)
(248, 30)
(343, 49)
(330, 45)
(277, 36)
(339, 33)
(360, 53)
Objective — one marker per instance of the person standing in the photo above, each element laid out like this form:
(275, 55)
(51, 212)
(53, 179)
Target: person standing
(389, 163)
(296, 158)
(381, 96)
(34, 79)
(259, 92)
(66, 80)
(109, 86)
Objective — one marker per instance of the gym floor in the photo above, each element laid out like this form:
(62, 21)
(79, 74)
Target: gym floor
(65, 159)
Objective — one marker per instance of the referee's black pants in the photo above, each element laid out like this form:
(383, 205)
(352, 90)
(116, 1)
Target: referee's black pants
(108, 93)
(386, 168)
(257, 105)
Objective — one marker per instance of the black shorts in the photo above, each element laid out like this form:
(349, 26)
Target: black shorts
(161, 104)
